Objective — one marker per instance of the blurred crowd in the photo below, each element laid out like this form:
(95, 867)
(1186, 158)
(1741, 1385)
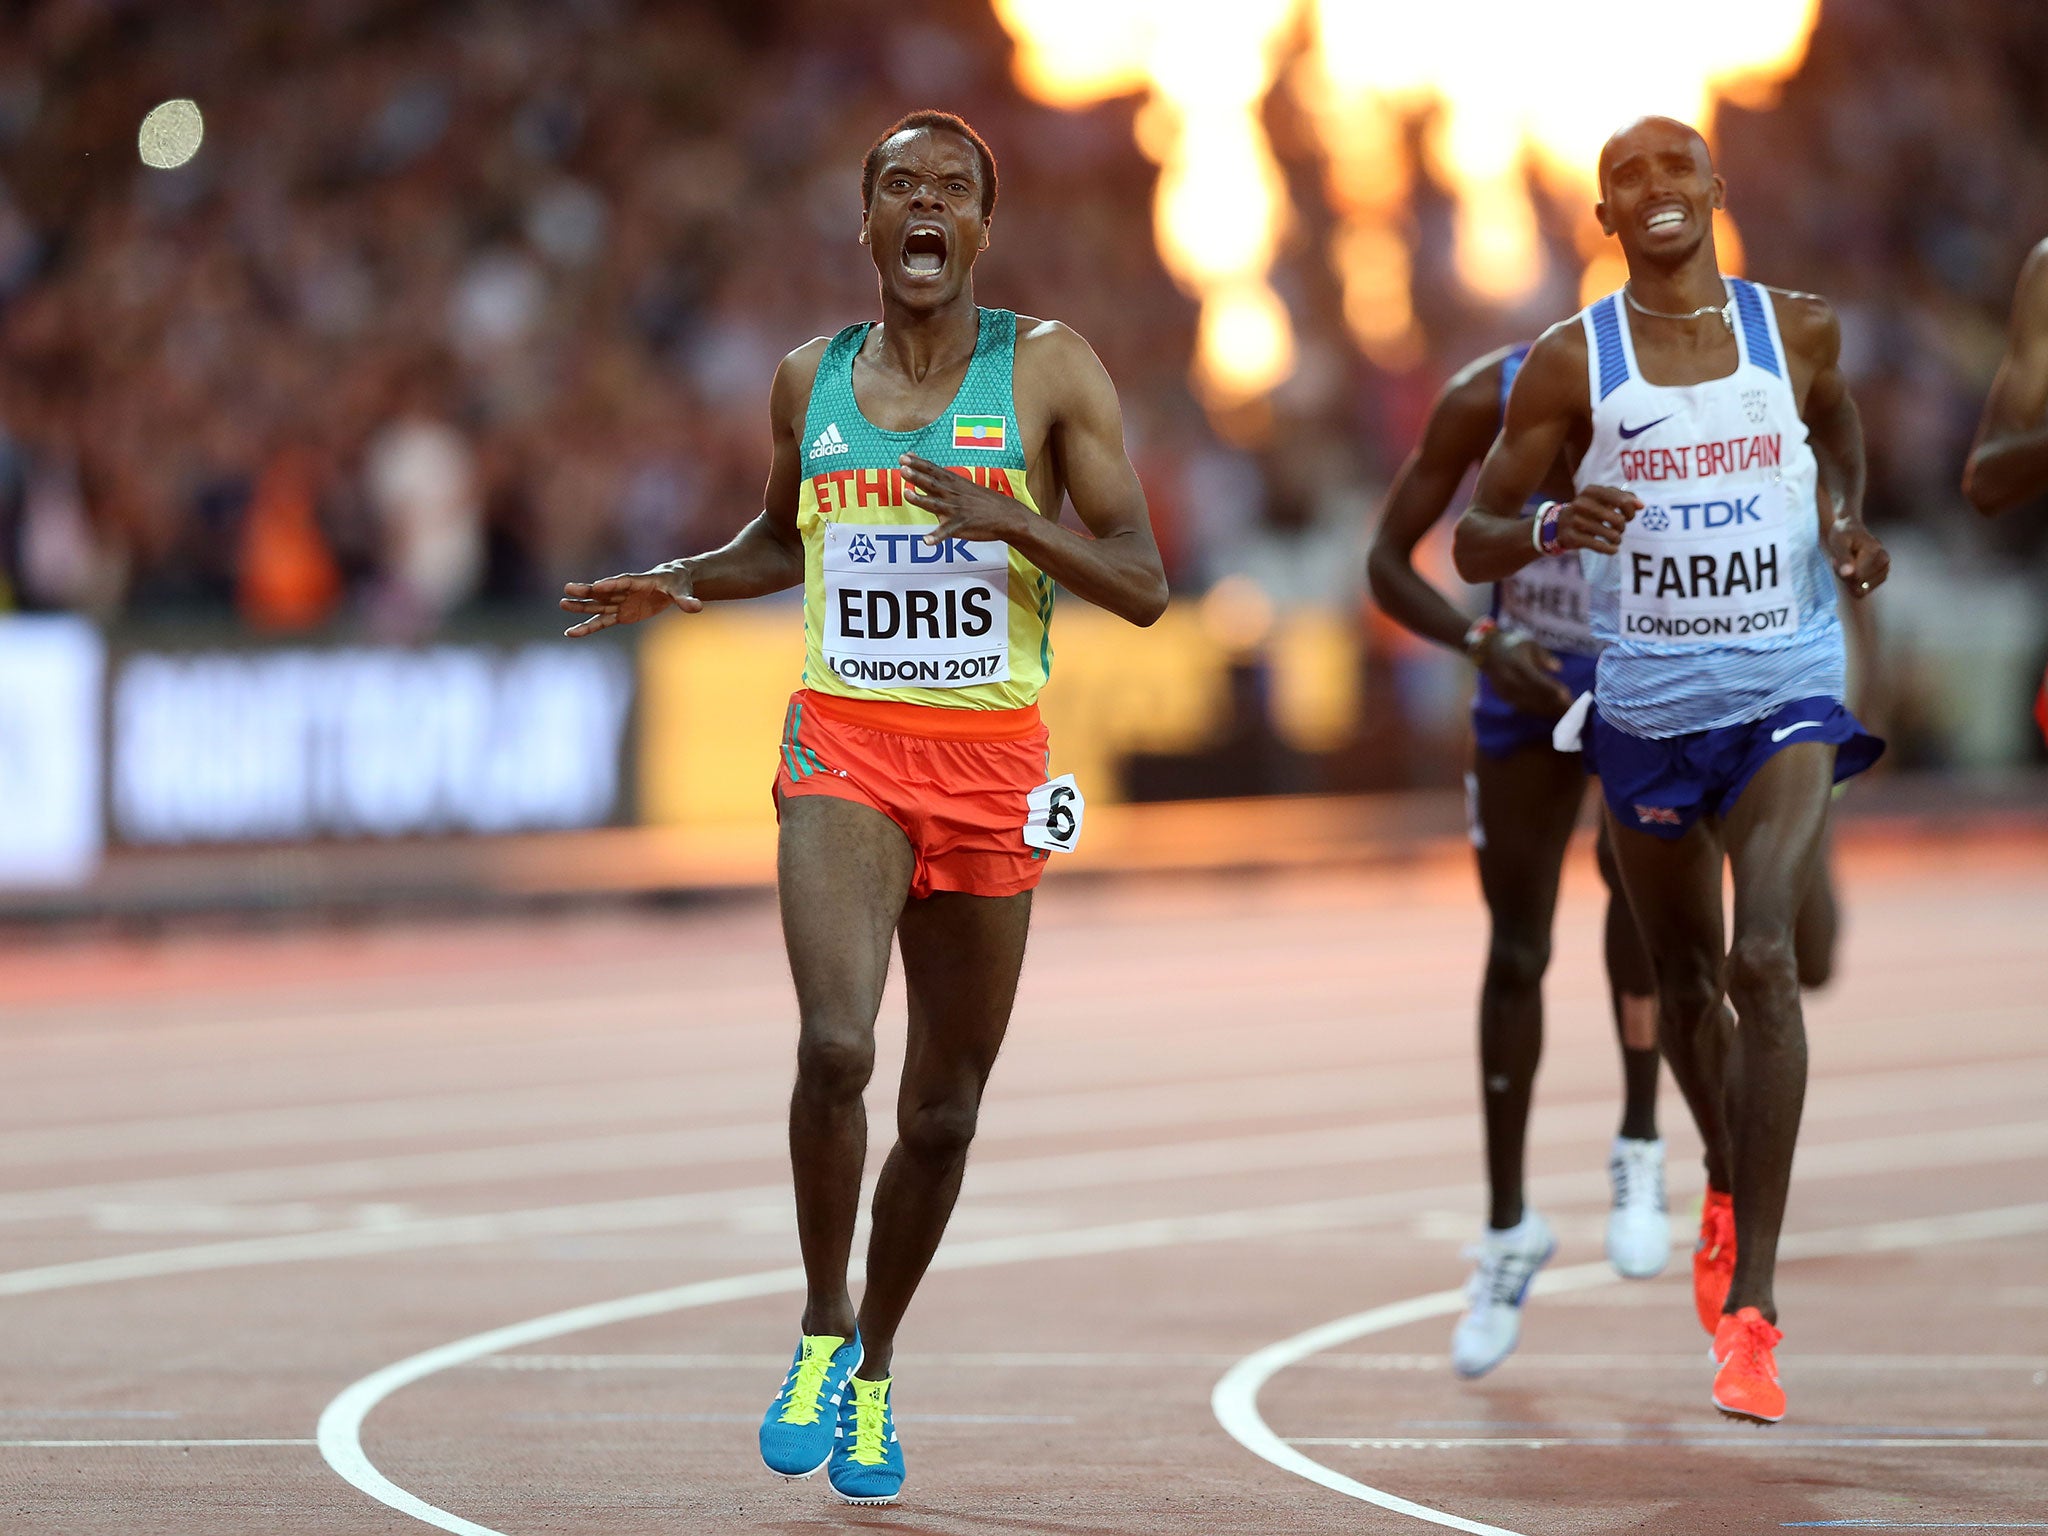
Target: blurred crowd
(461, 299)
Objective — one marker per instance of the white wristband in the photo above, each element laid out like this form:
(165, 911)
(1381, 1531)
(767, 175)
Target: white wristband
(1536, 528)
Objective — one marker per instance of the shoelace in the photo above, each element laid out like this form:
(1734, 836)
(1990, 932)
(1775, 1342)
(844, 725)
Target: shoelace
(870, 1418)
(806, 1384)
(1633, 1175)
(1499, 1276)
(1752, 1349)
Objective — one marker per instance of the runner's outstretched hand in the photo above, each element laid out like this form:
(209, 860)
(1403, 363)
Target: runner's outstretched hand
(1525, 674)
(964, 510)
(1860, 559)
(1595, 518)
(629, 599)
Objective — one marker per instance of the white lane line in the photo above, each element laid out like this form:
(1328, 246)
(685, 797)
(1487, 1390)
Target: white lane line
(1145, 1105)
(1605, 1365)
(1771, 1441)
(1150, 1106)
(527, 1108)
(603, 1101)
(755, 1418)
(1668, 1428)
(341, 1423)
(1235, 1400)
(167, 1445)
(1113, 1167)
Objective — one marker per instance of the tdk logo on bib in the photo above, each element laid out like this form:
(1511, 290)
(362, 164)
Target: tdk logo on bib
(911, 549)
(1710, 571)
(1701, 516)
(900, 612)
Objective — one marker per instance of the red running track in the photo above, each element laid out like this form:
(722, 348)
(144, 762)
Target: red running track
(243, 1176)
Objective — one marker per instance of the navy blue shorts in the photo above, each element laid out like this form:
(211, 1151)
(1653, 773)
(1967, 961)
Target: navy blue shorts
(1664, 785)
(1501, 730)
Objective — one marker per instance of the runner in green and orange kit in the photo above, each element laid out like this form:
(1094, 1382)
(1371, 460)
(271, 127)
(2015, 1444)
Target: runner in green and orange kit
(919, 467)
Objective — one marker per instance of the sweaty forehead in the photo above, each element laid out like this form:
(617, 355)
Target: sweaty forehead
(933, 152)
(1654, 139)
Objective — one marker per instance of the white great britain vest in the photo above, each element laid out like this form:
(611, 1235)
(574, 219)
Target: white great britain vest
(1720, 607)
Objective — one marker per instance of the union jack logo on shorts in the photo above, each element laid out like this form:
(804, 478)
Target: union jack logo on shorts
(1657, 815)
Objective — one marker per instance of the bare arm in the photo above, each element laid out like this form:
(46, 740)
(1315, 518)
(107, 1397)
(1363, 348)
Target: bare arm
(1834, 430)
(1460, 430)
(766, 556)
(2009, 462)
(1116, 564)
(1493, 539)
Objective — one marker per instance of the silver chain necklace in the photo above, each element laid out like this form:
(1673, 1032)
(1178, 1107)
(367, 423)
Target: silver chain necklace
(1725, 309)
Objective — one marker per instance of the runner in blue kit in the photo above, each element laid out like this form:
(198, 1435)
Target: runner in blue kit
(1718, 490)
(1535, 653)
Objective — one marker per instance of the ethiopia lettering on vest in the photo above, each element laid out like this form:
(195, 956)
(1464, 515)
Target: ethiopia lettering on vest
(842, 490)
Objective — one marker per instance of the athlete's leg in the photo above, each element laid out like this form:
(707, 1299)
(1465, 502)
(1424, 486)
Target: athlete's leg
(1674, 890)
(842, 872)
(1819, 925)
(1527, 805)
(1774, 835)
(1634, 990)
(961, 959)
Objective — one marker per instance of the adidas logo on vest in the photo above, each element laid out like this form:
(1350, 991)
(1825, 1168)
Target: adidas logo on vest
(829, 442)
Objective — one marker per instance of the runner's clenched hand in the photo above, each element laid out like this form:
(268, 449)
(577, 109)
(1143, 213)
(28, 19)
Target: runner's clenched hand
(1595, 519)
(964, 510)
(629, 599)
(1859, 558)
(1525, 674)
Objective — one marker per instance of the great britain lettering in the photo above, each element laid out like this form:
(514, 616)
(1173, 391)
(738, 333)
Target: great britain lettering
(1700, 461)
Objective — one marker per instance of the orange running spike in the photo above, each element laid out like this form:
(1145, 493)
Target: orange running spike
(1713, 1258)
(1746, 1386)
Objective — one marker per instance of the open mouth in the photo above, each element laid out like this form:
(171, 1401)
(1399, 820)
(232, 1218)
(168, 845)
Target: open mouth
(1668, 217)
(924, 250)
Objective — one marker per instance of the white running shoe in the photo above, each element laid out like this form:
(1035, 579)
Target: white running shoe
(1639, 1227)
(1503, 1265)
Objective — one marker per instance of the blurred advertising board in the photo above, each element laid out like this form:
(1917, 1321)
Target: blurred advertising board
(247, 744)
(50, 679)
(715, 688)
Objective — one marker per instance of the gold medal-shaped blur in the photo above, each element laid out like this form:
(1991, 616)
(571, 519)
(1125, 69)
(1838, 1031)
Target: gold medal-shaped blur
(171, 134)
(1511, 93)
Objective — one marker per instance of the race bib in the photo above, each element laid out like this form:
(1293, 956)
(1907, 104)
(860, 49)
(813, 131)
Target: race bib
(1546, 600)
(1052, 815)
(1710, 571)
(901, 613)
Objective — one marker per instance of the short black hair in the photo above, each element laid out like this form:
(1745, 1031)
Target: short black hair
(931, 117)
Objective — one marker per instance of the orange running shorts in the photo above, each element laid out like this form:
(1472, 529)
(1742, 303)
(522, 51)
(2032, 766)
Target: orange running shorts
(955, 781)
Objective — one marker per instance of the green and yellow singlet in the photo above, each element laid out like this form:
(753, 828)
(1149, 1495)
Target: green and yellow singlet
(961, 625)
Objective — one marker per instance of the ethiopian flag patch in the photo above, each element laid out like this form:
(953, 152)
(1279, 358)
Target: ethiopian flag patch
(978, 432)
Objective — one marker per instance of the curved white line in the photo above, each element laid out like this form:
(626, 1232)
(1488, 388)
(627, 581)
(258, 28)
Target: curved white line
(1235, 1400)
(340, 1435)
(341, 1424)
